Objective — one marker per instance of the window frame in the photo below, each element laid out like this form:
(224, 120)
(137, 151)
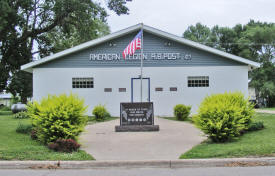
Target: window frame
(82, 82)
(198, 81)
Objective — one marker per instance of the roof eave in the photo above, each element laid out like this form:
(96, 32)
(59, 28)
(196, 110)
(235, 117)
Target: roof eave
(28, 67)
(200, 46)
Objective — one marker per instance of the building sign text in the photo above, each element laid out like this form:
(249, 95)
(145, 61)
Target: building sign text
(152, 56)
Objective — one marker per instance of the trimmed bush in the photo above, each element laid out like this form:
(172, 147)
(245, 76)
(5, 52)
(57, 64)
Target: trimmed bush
(64, 145)
(254, 126)
(181, 112)
(100, 113)
(58, 117)
(21, 115)
(22, 128)
(224, 116)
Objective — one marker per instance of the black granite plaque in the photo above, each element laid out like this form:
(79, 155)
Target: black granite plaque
(136, 114)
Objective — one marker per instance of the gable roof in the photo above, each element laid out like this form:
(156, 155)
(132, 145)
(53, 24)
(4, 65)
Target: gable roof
(29, 67)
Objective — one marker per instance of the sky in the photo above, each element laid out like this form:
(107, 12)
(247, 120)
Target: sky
(174, 16)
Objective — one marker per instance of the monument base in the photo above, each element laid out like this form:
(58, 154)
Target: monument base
(136, 128)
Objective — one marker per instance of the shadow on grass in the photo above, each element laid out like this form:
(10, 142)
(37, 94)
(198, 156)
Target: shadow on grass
(5, 113)
(92, 119)
(189, 119)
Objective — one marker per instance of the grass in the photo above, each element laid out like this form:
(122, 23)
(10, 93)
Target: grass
(92, 120)
(189, 119)
(272, 109)
(16, 146)
(256, 143)
(5, 113)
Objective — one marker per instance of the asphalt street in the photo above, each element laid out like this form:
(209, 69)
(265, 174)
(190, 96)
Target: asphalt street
(206, 171)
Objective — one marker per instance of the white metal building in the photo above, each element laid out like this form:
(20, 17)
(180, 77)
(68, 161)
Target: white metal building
(175, 70)
(5, 99)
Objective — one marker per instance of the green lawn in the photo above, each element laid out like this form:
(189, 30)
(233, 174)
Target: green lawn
(256, 143)
(5, 113)
(189, 119)
(16, 146)
(272, 109)
(92, 120)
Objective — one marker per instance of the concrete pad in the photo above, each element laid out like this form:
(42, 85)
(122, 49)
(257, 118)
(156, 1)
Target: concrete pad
(265, 111)
(174, 138)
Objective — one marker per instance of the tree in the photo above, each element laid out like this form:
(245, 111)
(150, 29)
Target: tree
(254, 41)
(24, 24)
(21, 83)
(263, 78)
(198, 33)
(58, 40)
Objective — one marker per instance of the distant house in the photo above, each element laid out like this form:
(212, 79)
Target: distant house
(5, 99)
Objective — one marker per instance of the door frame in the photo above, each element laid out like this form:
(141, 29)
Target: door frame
(132, 89)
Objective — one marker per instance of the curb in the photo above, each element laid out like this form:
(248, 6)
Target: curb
(185, 163)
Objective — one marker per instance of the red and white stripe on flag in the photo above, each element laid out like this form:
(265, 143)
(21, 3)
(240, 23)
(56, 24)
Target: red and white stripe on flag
(134, 45)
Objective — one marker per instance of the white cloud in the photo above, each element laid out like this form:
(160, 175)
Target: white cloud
(175, 16)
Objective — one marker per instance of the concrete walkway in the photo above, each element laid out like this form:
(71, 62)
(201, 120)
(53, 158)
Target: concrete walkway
(265, 111)
(174, 138)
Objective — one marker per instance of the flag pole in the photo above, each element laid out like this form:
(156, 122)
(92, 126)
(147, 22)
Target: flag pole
(141, 63)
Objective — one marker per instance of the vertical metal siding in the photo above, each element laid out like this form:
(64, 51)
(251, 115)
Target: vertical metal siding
(152, 44)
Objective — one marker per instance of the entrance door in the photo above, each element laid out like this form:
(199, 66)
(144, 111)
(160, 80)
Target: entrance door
(135, 92)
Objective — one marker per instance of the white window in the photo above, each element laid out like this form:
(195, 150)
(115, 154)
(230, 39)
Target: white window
(83, 82)
(198, 81)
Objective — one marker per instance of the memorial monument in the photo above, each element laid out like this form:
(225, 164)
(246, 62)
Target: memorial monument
(136, 116)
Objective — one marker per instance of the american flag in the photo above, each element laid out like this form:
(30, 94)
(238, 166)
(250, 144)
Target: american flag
(134, 45)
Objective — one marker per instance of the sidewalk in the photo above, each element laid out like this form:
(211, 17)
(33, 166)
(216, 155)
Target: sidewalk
(186, 163)
(265, 111)
(174, 138)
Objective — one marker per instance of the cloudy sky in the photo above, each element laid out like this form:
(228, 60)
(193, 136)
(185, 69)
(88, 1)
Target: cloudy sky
(175, 16)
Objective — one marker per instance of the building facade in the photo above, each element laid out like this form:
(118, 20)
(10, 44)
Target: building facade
(175, 71)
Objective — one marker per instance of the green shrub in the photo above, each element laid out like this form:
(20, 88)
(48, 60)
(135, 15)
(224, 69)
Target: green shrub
(21, 115)
(224, 116)
(254, 126)
(22, 128)
(58, 117)
(181, 112)
(100, 113)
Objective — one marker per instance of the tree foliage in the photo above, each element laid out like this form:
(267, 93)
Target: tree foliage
(51, 26)
(254, 41)
(56, 40)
